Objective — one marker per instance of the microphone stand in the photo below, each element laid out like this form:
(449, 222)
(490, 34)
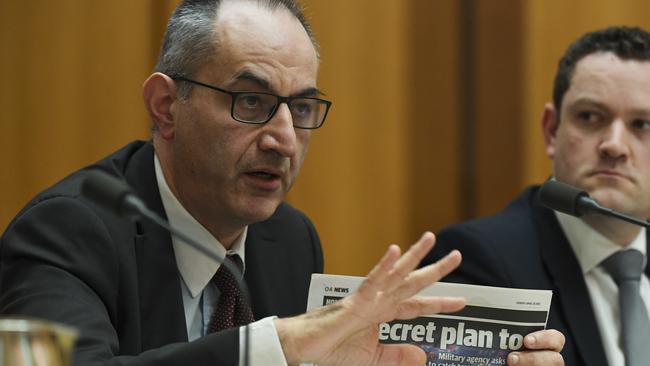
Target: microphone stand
(570, 200)
(598, 209)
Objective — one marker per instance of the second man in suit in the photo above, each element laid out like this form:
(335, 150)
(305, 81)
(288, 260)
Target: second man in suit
(597, 134)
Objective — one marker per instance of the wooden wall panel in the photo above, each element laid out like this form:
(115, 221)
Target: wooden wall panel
(353, 183)
(498, 103)
(71, 73)
(434, 140)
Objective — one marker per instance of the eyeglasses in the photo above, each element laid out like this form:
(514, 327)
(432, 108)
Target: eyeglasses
(258, 108)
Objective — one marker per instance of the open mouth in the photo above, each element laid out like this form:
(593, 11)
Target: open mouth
(265, 175)
(264, 180)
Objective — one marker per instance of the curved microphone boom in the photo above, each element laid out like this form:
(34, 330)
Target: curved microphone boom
(572, 201)
(115, 195)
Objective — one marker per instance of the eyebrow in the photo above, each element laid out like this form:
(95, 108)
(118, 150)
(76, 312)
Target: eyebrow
(594, 103)
(249, 76)
(590, 101)
(587, 101)
(263, 83)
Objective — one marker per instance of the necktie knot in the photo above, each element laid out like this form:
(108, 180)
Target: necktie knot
(232, 310)
(624, 265)
(224, 279)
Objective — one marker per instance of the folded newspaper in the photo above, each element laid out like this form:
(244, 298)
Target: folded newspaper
(493, 323)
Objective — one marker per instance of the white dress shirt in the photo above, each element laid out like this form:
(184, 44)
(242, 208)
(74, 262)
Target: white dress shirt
(200, 295)
(591, 248)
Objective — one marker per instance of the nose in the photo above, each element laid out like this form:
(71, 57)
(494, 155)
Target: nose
(279, 134)
(614, 143)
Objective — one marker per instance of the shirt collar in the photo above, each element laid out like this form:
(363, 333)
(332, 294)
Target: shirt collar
(590, 246)
(195, 268)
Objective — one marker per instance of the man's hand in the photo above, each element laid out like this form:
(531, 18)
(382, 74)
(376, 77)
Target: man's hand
(346, 333)
(543, 347)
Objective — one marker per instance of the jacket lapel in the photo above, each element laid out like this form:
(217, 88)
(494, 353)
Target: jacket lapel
(162, 313)
(571, 297)
(260, 252)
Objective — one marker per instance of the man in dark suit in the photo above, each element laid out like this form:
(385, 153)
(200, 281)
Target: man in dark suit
(233, 101)
(597, 132)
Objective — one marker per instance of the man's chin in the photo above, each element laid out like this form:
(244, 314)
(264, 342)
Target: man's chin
(259, 209)
(614, 199)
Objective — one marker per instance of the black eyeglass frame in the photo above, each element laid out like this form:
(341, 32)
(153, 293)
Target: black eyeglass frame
(280, 100)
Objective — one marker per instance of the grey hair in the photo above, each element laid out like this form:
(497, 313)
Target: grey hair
(190, 38)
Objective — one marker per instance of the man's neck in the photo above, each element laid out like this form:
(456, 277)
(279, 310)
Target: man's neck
(228, 241)
(620, 232)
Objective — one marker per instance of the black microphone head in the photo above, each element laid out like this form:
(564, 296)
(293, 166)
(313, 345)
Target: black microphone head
(106, 190)
(562, 197)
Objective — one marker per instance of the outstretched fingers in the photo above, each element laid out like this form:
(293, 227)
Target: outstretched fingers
(391, 287)
(425, 276)
(426, 305)
(389, 273)
(375, 281)
(408, 262)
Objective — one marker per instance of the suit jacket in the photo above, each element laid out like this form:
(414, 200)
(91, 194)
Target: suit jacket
(524, 247)
(67, 260)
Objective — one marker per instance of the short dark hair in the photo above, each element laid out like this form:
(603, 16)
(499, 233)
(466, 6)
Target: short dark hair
(190, 38)
(628, 43)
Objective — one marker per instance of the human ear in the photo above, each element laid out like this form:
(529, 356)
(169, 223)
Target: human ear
(550, 124)
(159, 94)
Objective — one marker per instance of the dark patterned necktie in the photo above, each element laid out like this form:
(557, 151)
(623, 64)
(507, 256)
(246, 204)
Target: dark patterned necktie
(232, 309)
(626, 267)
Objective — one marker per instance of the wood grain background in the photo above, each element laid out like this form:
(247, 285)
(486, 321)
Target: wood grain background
(435, 118)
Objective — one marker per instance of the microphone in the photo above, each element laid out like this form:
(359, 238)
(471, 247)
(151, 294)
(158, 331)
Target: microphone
(117, 196)
(572, 201)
